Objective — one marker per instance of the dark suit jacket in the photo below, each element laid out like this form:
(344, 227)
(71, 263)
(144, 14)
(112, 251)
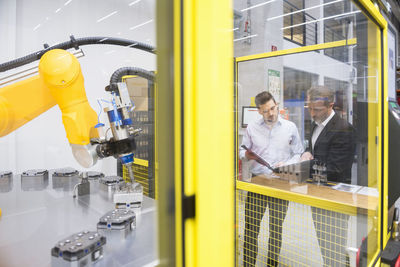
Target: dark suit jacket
(335, 147)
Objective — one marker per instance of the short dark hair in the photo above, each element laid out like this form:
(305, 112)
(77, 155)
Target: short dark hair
(321, 92)
(263, 98)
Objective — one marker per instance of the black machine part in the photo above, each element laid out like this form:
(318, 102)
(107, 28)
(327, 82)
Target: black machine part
(115, 148)
(391, 253)
(78, 245)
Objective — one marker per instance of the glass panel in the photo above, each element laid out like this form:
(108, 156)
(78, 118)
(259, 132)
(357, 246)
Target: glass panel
(260, 24)
(41, 182)
(310, 142)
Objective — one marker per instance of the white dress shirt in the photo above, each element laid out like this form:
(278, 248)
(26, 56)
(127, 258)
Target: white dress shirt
(281, 143)
(318, 129)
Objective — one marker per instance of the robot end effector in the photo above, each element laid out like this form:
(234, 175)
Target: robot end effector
(60, 81)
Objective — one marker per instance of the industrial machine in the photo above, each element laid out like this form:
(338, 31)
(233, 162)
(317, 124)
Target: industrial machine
(60, 81)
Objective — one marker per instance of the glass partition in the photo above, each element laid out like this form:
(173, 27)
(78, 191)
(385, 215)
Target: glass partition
(263, 26)
(70, 207)
(308, 163)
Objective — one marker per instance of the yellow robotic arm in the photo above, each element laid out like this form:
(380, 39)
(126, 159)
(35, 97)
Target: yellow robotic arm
(59, 81)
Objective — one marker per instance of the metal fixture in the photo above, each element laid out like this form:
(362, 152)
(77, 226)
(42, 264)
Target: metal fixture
(34, 180)
(80, 249)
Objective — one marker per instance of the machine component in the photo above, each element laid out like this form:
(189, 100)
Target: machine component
(80, 249)
(60, 81)
(93, 175)
(83, 188)
(391, 254)
(6, 181)
(117, 223)
(319, 175)
(298, 172)
(109, 184)
(94, 178)
(36, 179)
(119, 113)
(65, 178)
(123, 142)
(129, 196)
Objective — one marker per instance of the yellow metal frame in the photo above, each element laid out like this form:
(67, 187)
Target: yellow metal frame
(382, 66)
(179, 252)
(199, 114)
(297, 50)
(385, 189)
(201, 126)
(206, 128)
(155, 143)
(299, 198)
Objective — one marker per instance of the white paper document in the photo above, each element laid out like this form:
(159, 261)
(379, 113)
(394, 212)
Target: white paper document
(368, 191)
(351, 188)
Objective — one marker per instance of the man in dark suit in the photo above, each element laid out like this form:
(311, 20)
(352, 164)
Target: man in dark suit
(332, 142)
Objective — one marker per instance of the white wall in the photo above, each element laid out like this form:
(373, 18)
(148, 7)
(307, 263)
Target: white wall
(253, 75)
(317, 63)
(26, 25)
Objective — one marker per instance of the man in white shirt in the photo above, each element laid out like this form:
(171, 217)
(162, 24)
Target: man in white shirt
(277, 141)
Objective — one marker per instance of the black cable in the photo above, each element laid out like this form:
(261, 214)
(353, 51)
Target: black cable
(75, 43)
(116, 77)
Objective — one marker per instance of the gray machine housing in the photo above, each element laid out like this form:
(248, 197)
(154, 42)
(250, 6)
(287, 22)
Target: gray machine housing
(6, 181)
(34, 180)
(109, 184)
(65, 178)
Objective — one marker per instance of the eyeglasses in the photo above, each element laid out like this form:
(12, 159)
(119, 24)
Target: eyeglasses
(315, 109)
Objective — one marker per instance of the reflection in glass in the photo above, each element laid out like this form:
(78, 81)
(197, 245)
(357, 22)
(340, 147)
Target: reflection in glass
(337, 131)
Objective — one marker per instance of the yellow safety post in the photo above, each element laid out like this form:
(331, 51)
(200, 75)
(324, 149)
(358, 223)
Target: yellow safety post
(195, 132)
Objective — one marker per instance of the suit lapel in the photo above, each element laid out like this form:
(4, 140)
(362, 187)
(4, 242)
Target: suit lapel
(326, 129)
(313, 125)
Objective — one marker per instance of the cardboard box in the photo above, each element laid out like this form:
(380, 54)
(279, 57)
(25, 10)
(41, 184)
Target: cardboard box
(137, 86)
(141, 103)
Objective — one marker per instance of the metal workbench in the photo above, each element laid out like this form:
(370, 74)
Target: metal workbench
(35, 218)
